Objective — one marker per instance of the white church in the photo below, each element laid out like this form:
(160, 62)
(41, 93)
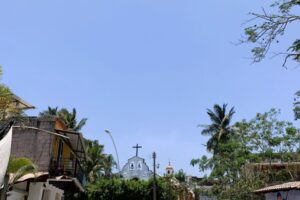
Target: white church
(136, 168)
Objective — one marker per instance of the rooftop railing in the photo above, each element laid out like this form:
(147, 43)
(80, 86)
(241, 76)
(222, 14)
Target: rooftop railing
(66, 166)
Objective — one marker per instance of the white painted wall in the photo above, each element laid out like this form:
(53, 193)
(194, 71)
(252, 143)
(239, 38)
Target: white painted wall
(37, 191)
(48, 195)
(287, 195)
(5, 147)
(15, 195)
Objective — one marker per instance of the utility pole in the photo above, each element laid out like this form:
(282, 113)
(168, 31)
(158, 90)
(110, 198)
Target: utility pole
(154, 176)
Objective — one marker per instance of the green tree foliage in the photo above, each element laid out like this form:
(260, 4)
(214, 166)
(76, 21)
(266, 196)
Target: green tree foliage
(180, 176)
(219, 129)
(297, 105)
(108, 164)
(93, 164)
(68, 117)
(50, 112)
(114, 189)
(16, 163)
(261, 140)
(7, 107)
(267, 27)
(97, 165)
(270, 138)
(20, 167)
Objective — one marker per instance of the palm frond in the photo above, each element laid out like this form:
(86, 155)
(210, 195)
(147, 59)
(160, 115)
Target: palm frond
(213, 117)
(1, 72)
(220, 111)
(26, 169)
(219, 129)
(81, 123)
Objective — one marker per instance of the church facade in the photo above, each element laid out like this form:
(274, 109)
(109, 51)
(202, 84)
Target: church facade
(136, 168)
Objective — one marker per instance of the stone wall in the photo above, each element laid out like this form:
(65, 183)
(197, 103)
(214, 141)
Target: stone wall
(34, 144)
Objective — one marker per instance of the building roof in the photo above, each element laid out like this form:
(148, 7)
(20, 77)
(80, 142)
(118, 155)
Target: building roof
(285, 186)
(22, 104)
(67, 183)
(28, 176)
(276, 164)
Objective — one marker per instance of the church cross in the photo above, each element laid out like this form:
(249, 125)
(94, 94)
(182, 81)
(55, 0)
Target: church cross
(137, 149)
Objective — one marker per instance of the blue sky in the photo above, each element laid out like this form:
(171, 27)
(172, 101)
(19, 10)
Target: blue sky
(146, 70)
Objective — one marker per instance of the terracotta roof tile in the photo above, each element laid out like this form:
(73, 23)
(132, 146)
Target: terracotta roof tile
(285, 186)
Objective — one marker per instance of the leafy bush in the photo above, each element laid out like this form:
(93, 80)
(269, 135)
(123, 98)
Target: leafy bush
(16, 163)
(116, 189)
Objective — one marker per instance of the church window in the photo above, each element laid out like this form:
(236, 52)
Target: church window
(131, 166)
(139, 166)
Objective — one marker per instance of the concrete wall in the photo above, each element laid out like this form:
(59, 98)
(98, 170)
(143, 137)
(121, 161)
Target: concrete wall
(33, 144)
(44, 191)
(37, 191)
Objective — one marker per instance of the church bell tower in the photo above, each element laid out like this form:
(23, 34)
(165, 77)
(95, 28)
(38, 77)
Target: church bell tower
(169, 170)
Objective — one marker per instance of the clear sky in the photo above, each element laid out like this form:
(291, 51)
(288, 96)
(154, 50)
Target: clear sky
(147, 70)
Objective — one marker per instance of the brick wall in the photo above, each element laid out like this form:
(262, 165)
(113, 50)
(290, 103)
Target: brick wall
(34, 144)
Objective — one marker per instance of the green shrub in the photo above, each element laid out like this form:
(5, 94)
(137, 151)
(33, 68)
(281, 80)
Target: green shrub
(16, 163)
(116, 189)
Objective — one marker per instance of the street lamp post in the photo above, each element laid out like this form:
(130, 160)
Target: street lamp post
(112, 139)
(154, 175)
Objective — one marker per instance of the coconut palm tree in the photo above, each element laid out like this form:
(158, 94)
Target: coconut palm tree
(50, 113)
(19, 167)
(220, 128)
(108, 163)
(69, 118)
(93, 166)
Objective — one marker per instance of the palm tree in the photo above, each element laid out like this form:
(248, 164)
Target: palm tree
(220, 128)
(1, 71)
(20, 167)
(93, 165)
(69, 118)
(50, 112)
(108, 163)
(17, 168)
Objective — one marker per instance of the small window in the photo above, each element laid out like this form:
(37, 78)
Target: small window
(139, 166)
(132, 166)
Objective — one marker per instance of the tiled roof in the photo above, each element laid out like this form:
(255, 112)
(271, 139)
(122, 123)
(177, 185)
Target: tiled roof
(285, 186)
(22, 104)
(28, 176)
